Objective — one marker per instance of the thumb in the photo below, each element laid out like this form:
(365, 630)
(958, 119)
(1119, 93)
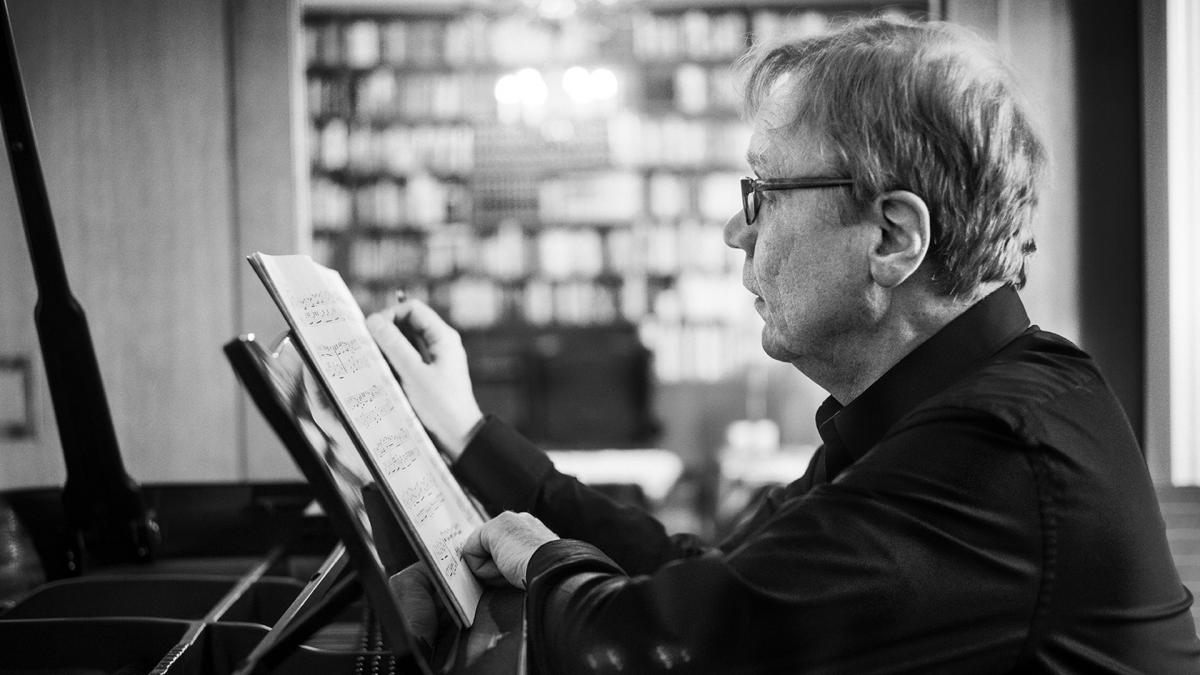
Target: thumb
(395, 347)
(479, 558)
(425, 322)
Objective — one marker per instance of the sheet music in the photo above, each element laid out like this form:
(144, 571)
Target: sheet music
(330, 327)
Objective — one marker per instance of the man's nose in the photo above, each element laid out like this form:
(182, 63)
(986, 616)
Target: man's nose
(737, 234)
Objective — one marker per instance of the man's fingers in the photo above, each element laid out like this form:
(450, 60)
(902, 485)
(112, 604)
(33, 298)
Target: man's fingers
(486, 571)
(473, 546)
(426, 323)
(478, 556)
(480, 561)
(395, 347)
(503, 546)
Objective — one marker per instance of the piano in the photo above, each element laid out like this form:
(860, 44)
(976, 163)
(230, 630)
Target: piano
(104, 575)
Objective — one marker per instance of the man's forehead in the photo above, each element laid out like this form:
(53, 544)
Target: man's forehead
(779, 152)
(774, 126)
(781, 144)
(760, 155)
(778, 108)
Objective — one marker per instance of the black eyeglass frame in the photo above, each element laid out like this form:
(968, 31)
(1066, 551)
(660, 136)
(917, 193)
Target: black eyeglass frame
(752, 186)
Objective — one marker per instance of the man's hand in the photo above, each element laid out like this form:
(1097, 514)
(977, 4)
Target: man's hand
(440, 389)
(423, 613)
(502, 547)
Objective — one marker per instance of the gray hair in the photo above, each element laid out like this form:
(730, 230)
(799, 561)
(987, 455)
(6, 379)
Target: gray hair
(924, 107)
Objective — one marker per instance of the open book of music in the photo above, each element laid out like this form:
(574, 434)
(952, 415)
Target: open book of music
(329, 328)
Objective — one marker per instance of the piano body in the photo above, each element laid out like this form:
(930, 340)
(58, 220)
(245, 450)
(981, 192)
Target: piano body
(104, 575)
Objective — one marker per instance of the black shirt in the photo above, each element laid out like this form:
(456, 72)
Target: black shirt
(982, 507)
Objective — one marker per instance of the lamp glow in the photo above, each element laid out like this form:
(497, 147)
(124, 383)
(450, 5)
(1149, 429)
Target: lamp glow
(532, 86)
(508, 90)
(604, 83)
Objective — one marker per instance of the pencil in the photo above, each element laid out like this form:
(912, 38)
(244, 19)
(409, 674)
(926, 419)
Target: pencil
(406, 329)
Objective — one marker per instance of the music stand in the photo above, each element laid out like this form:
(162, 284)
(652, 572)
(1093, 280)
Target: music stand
(289, 397)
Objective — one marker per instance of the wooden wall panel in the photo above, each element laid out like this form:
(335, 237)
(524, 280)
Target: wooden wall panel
(269, 124)
(130, 102)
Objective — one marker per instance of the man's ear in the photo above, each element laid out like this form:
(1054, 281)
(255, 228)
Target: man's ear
(903, 237)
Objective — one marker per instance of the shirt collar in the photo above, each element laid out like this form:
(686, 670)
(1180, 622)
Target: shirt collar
(977, 333)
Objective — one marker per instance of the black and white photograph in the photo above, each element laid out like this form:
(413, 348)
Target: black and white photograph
(556, 337)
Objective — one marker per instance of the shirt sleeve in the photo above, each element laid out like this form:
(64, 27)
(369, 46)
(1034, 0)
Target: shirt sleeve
(899, 564)
(507, 473)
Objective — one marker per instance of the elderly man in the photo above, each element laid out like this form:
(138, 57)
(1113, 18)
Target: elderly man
(979, 503)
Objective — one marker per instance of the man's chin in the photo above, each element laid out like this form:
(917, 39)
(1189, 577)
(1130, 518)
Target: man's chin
(774, 347)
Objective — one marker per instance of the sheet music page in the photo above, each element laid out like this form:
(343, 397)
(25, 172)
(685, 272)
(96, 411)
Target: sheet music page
(330, 327)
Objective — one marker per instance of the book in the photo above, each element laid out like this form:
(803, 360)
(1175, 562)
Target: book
(331, 333)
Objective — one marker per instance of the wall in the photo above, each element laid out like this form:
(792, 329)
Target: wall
(133, 104)
(269, 160)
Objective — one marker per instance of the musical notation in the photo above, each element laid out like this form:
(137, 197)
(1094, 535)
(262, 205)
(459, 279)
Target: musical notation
(414, 495)
(319, 308)
(426, 512)
(375, 414)
(378, 420)
(447, 548)
(391, 454)
(364, 398)
(421, 500)
(343, 358)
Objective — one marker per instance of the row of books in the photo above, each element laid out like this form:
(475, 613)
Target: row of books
(687, 352)
(691, 35)
(418, 198)
(627, 140)
(665, 250)
(656, 145)
(475, 39)
(697, 89)
(684, 349)
(479, 301)
(597, 196)
(363, 42)
(676, 140)
(386, 94)
(419, 201)
(700, 35)
(624, 195)
(505, 152)
(399, 149)
(463, 39)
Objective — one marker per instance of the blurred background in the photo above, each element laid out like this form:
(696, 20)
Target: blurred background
(552, 176)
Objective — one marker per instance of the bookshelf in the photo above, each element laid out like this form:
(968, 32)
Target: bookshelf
(525, 169)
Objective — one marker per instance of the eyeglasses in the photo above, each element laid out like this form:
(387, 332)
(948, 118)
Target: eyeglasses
(752, 186)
